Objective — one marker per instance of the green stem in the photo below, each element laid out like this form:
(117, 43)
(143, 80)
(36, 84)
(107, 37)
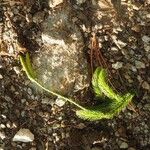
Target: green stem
(27, 68)
(58, 95)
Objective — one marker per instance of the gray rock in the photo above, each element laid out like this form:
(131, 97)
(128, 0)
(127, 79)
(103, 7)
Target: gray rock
(61, 65)
(23, 135)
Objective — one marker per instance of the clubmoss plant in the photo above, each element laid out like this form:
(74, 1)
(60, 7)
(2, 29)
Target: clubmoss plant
(112, 102)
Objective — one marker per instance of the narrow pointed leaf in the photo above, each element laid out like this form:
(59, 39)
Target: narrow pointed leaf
(105, 110)
(105, 88)
(95, 85)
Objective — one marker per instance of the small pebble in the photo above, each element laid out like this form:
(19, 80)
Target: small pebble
(48, 101)
(117, 65)
(145, 85)
(1, 77)
(2, 126)
(56, 126)
(29, 90)
(146, 39)
(133, 68)
(2, 135)
(146, 47)
(81, 126)
(4, 116)
(121, 43)
(23, 100)
(139, 64)
(23, 135)
(12, 88)
(80, 1)
(16, 69)
(114, 49)
(7, 98)
(59, 102)
(8, 124)
(124, 145)
(55, 3)
(148, 15)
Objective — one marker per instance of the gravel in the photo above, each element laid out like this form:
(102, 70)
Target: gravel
(48, 122)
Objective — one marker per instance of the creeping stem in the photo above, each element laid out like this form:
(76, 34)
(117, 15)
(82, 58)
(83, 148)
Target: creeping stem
(25, 62)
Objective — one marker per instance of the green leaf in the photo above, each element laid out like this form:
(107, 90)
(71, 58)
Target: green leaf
(106, 110)
(25, 67)
(28, 62)
(103, 86)
(95, 85)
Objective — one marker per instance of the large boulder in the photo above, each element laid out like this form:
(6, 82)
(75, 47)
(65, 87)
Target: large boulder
(61, 65)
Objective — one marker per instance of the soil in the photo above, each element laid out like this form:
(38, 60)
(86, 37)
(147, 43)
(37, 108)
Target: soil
(123, 32)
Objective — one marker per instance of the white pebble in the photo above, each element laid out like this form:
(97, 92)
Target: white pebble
(23, 135)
